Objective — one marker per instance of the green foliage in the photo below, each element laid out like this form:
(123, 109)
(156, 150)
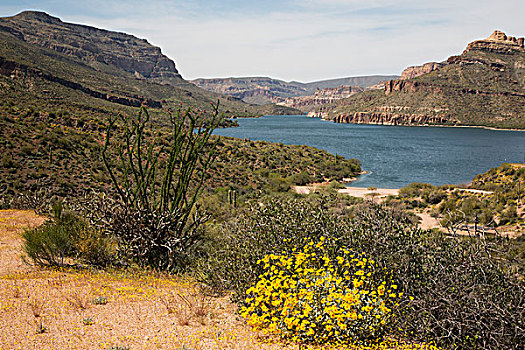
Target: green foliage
(269, 227)
(66, 239)
(465, 296)
(100, 300)
(458, 205)
(155, 219)
(119, 347)
(315, 295)
(246, 165)
(49, 244)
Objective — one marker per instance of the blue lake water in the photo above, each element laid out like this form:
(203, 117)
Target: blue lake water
(394, 156)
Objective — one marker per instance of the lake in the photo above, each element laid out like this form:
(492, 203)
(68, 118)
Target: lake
(394, 156)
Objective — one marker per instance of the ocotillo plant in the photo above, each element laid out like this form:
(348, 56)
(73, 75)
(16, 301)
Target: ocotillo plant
(159, 185)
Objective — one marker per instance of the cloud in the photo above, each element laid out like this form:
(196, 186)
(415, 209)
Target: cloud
(296, 40)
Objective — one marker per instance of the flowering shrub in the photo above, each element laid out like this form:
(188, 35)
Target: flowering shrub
(317, 295)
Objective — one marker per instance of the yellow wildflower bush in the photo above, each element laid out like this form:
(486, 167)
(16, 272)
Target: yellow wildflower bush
(321, 295)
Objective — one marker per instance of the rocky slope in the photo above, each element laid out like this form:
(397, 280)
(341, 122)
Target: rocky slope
(92, 45)
(485, 86)
(51, 65)
(320, 97)
(261, 90)
(416, 71)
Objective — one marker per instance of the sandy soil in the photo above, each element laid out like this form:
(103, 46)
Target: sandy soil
(378, 193)
(43, 308)
(143, 310)
(11, 225)
(428, 222)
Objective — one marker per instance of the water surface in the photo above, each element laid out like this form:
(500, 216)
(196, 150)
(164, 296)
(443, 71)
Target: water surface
(394, 156)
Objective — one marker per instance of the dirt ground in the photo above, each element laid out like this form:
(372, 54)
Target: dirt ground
(82, 309)
(44, 308)
(378, 194)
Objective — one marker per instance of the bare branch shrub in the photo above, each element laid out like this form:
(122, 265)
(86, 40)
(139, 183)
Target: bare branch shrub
(158, 182)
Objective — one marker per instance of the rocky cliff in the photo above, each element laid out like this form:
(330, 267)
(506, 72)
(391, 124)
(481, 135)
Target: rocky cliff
(321, 97)
(47, 65)
(485, 85)
(498, 42)
(261, 90)
(92, 45)
(416, 71)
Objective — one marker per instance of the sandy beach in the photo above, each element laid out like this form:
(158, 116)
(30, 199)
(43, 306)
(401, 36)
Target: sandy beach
(368, 193)
(359, 192)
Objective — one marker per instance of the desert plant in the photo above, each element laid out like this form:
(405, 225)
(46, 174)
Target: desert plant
(268, 226)
(463, 299)
(155, 219)
(309, 295)
(100, 300)
(119, 347)
(40, 328)
(77, 299)
(88, 321)
(193, 304)
(36, 304)
(66, 239)
(54, 241)
(465, 296)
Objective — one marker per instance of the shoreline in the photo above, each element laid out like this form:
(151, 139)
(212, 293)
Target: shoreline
(493, 128)
(435, 125)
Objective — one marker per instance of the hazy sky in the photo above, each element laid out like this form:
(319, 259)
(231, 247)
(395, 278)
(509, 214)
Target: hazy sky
(292, 39)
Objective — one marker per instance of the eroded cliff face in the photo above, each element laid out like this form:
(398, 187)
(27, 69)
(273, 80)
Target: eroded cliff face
(385, 118)
(498, 42)
(321, 97)
(485, 85)
(416, 71)
(92, 45)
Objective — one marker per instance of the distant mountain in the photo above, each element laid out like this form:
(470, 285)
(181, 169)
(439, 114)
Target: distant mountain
(484, 86)
(261, 90)
(51, 65)
(320, 97)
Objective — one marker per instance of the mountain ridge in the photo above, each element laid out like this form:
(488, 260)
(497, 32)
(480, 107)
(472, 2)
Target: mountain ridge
(483, 86)
(51, 65)
(265, 89)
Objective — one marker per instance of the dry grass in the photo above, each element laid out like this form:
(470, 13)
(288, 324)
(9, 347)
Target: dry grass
(72, 309)
(80, 309)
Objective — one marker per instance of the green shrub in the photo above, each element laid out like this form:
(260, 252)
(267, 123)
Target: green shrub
(464, 298)
(268, 226)
(66, 239)
(309, 295)
(155, 219)
(48, 244)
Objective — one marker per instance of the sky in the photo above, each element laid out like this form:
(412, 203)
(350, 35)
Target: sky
(294, 40)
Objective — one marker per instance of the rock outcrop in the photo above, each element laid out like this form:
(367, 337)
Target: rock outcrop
(416, 71)
(92, 45)
(321, 97)
(485, 85)
(383, 118)
(498, 42)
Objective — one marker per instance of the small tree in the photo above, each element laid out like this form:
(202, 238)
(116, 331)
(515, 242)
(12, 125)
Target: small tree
(158, 185)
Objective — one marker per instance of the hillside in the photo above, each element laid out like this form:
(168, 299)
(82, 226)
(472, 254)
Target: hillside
(261, 90)
(47, 64)
(57, 90)
(485, 86)
(320, 97)
(492, 203)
